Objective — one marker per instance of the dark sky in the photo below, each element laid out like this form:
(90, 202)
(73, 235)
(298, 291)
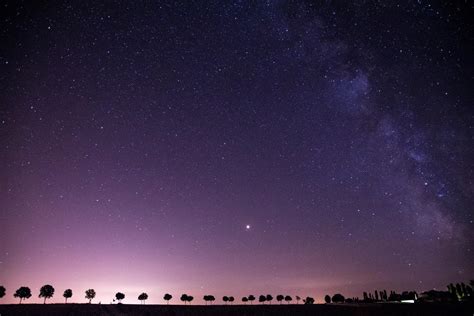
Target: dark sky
(138, 141)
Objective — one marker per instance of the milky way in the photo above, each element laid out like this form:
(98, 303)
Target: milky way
(235, 148)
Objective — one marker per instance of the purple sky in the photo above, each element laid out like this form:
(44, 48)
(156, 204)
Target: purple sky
(138, 142)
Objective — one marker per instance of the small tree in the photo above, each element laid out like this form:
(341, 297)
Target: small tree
(119, 296)
(298, 299)
(251, 298)
(206, 298)
(184, 298)
(280, 298)
(231, 299)
(245, 299)
(288, 299)
(67, 294)
(308, 300)
(212, 298)
(225, 299)
(143, 297)
(23, 293)
(90, 294)
(262, 299)
(269, 298)
(338, 298)
(46, 291)
(190, 299)
(167, 298)
(327, 299)
(2, 291)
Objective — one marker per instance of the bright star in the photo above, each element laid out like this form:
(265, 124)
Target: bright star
(247, 227)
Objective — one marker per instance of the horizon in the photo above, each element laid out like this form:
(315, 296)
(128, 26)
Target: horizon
(300, 148)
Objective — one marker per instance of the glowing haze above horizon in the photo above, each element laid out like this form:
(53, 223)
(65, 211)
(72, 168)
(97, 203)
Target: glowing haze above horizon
(235, 148)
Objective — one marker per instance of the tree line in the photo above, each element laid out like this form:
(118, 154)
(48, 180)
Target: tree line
(458, 292)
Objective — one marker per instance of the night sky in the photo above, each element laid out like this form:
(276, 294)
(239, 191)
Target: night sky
(235, 148)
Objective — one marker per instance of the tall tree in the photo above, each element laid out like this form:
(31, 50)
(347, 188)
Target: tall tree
(167, 298)
(143, 297)
(90, 294)
(288, 299)
(262, 299)
(119, 296)
(184, 298)
(231, 299)
(190, 299)
(67, 294)
(46, 291)
(251, 298)
(269, 298)
(327, 299)
(298, 299)
(280, 298)
(2, 291)
(225, 299)
(23, 292)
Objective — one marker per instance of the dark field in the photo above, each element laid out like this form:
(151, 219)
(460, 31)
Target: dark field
(362, 310)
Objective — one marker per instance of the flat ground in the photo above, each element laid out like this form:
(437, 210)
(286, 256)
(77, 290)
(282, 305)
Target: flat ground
(178, 310)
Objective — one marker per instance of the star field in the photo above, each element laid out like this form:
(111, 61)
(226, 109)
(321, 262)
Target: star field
(191, 147)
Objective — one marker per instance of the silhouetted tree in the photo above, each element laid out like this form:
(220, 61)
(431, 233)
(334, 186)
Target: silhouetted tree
(190, 299)
(46, 291)
(327, 299)
(67, 294)
(23, 293)
(245, 299)
(376, 295)
(212, 298)
(349, 300)
(184, 298)
(231, 299)
(262, 299)
(2, 291)
(90, 294)
(308, 300)
(280, 298)
(143, 297)
(297, 299)
(167, 298)
(251, 298)
(206, 298)
(288, 299)
(119, 296)
(338, 298)
(269, 298)
(225, 299)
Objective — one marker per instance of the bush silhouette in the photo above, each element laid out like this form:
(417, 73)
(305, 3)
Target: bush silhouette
(90, 294)
(23, 292)
(119, 296)
(327, 299)
(67, 294)
(251, 298)
(167, 298)
(46, 291)
(288, 299)
(280, 298)
(262, 299)
(143, 297)
(338, 298)
(309, 300)
(2, 291)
